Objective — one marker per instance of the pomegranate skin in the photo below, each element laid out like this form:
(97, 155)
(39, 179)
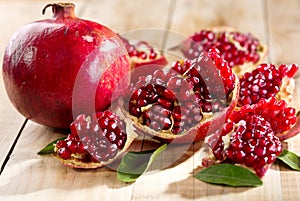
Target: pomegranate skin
(43, 58)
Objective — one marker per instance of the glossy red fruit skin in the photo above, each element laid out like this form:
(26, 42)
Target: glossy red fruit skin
(43, 58)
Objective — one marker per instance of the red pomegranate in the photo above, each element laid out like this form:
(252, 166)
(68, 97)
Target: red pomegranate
(43, 58)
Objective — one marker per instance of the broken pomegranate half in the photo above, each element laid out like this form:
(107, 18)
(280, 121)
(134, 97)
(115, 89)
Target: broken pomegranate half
(94, 141)
(243, 51)
(141, 53)
(183, 103)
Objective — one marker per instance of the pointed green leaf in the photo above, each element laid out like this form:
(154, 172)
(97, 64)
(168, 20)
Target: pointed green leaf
(49, 148)
(290, 159)
(134, 164)
(228, 174)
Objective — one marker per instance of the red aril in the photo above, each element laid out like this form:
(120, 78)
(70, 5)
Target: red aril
(43, 58)
(278, 113)
(267, 81)
(242, 50)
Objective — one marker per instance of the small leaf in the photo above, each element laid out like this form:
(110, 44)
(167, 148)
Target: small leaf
(134, 164)
(228, 174)
(290, 159)
(49, 148)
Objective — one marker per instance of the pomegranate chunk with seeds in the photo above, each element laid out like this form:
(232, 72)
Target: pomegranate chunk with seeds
(94, 141)
(249, 141)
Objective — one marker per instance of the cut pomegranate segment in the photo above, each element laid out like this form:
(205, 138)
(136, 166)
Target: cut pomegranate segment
(242, 50)
(185, 102)
(250, 141)
(94, 141)
(267, 81)
(142, 53)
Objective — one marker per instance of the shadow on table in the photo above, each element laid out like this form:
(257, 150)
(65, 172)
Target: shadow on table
(192, 188)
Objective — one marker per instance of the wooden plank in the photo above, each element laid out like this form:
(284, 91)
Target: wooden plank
(284, 35)
(28, 176)
(283, 23)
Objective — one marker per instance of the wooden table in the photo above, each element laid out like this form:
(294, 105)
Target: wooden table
(28, 176)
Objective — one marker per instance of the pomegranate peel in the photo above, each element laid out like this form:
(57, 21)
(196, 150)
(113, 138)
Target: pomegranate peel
(295, 130)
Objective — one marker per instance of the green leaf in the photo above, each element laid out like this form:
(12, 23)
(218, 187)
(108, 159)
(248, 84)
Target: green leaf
(290, 159)
(228, 174)
(134, 164)
(49, 148)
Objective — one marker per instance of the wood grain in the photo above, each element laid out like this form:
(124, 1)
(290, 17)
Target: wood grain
(28, 176)
(284, 27)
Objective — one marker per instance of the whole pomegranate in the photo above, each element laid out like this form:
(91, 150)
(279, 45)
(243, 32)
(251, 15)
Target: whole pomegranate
(43, 58)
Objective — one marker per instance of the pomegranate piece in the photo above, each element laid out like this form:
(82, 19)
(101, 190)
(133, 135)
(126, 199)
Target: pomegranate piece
(267, 81)
(281, 117)
(250, 141)
(180, 103)
(42, 61)
(142, 53)
(242, 50)
(94, 141)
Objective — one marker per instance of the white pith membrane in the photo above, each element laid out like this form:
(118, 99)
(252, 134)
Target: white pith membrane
(286, 89)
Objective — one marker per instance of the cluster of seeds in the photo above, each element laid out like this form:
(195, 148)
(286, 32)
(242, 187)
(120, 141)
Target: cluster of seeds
(251, 134)
(263, 82)
(164, 101)
(178, 98)
(236, 48)
(92, 139)
(277, 112)
(251, 142)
